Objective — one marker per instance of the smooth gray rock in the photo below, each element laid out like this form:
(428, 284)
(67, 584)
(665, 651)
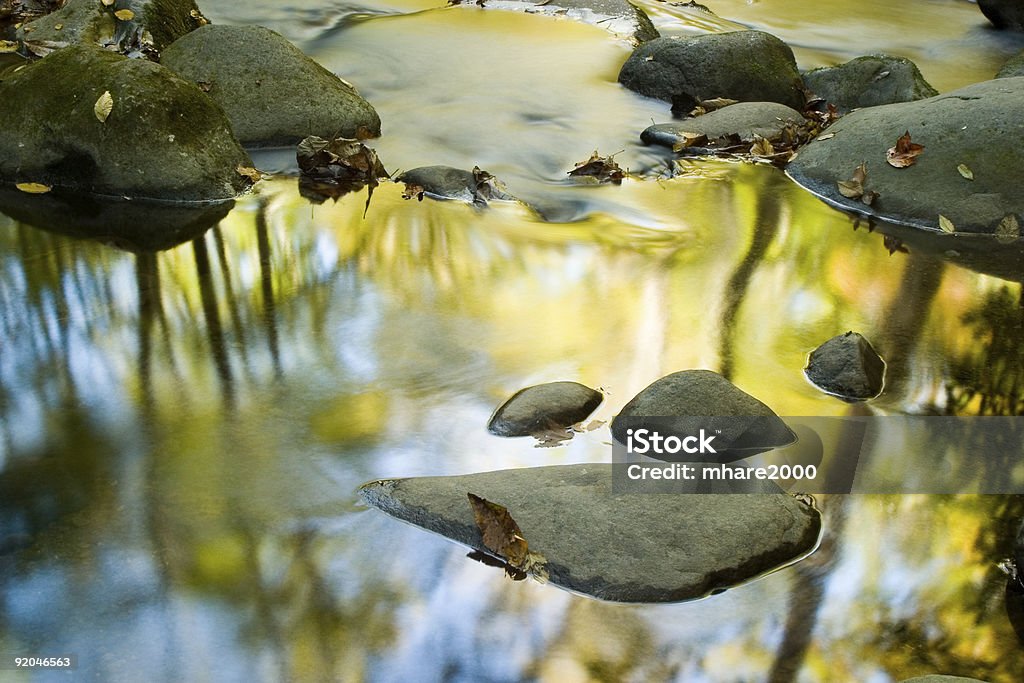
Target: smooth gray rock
(271, 91)
(627, 547)
(939, 678)
(702, 399)
(617, 16)
(847, 366)
(1008, 14)
(1018, 550)
(155, 25)
(980, 126)
(745, 119)
(1013, 67)
(868, 82)
(749, 66)
(445, 182)
(542, 407)
(163, 138)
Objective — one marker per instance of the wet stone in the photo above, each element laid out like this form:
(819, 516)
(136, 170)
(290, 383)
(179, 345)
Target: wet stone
(938, 678)
(847, 366)
(445, 182)
(702, 399)
(542, 407)
(271, 91)
(1013, 67)
(627, 547)
(616, 16)
(1007, 14)
(868, 82)
(743, 119)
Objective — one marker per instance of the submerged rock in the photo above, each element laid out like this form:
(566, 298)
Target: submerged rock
(1007, 14)
(743, 119)
(616, 16)
(542, 407)
(153, 25)
(272, 93)
(980, 127)
(685, 402)
(162, 138)
(1013, 67)
(847, 366)
(868, 82)
(749, 66)
(627, 548)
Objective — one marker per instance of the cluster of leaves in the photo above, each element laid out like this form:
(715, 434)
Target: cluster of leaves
(330, 169)
(502, 535)
(549, 438)
(16, 12)
(603, 169)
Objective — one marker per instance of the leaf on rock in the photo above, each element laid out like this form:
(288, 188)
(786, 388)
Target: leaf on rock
(946, 225)
(716, 103)
(687, 140)
(333, 168)
(500, 532)
(550, 438)
(33, 188)
(965, 171)
(249, 172)
(107, 3)
(604, 169)
(762, 147)
(413, 190)
(905, 152)
(825, 136)
(1008, 229)
(104, 105)
(854, 187)
(124, 14)
(869, 197)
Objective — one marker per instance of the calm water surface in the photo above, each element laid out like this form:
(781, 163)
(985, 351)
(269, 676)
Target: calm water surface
(181, 433)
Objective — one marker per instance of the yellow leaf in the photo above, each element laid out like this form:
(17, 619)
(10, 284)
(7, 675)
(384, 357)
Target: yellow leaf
(124, 14)
(249, 172)
(104, 105)
(107, 3)
(57, 27)
(8, 46)
(965, 172)
(1008, 229)
(946, 224)
(33, 188)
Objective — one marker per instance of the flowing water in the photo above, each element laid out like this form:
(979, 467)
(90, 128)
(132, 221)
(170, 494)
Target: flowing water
(182, 433)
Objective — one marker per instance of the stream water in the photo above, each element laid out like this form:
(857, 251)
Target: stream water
(182, 433)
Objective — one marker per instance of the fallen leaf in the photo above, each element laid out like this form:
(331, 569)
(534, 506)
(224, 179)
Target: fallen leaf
(104, 105)
(869, 197)
(8, 46)
(1008, 229)
(57, 27)
(124, 14)
(333, 168)
(249, 172)
(552, 437)
(716, 103)
(825, 136)
(905, 152)
(854, 187)
(946, 224)
(107, 3)
(33, 188)
(965, 172)
(500, 532)
(687, 140)
(412, 190)
(604, 169)
(762, 147)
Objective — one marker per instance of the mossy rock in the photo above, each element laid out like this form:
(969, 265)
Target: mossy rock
(1014, 67)
(163, 138)
(868, 82)
(272, 93)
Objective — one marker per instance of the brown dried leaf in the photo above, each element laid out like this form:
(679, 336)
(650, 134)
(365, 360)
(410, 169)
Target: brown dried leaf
(687, 140)
(1008, 229)
(604, 169)
(869, 197)
(124, 14)
(33, 188)
(946, 225)
(412, 190)
(966, 172)
(500, 532)
(762, 147)
(249, 172)
(716, 103)
(905, 152)
(104, 105)
(854, 187)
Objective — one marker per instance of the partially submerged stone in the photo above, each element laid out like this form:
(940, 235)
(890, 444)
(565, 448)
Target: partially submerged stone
(543, 407)
(626, 548)
(446, 182)
(616, 16)
(272, 93)
(748, 66)
(162, 139)
(685, 402)
(1007, 14)
(868, 82)
(1013, 67)
(153, 25)
(940, 678)
(979, 127)
(847, 366)
(743, 120)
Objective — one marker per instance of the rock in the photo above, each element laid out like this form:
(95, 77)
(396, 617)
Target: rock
(847, 366)
(745, 119)
(938, 678)
(616, 16)
(1018, 551)
(155, 25)
(980, 126)
(542, 407)
(272, 92)
(1013, 67)
(135, 226)
(749, 66)
(685, 402)
(445, 182)
(627, 548)
(1004, 13)
(868, 82)
(163, 138)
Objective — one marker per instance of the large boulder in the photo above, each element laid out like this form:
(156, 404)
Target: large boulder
(627, 547)
(743, 120)
(684, 403)
(272, 92)
(749, 66)
(153, 25)
(162, 138)
(1013, 67)
(542, 407)
(1004, 13)
(968, 172)
(847, 366)
(868, 82)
